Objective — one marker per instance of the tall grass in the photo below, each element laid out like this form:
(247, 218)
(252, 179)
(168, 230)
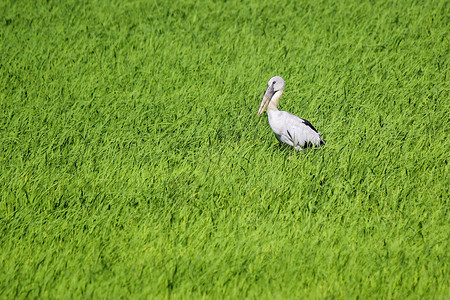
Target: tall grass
(132, 163)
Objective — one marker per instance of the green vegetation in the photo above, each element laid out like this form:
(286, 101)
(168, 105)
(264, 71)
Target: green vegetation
(132, 162)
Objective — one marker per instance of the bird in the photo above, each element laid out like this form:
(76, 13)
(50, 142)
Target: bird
(288, 128)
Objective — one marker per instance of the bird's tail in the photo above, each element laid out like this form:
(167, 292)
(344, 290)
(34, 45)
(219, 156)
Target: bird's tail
(322, 142)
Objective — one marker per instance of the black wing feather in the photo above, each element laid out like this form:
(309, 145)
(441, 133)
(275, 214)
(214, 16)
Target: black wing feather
(307, 123)
(290, 136)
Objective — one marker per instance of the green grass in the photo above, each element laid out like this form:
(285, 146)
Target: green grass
(133, 165)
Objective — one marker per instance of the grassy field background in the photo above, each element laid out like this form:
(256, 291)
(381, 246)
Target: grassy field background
(132, 162)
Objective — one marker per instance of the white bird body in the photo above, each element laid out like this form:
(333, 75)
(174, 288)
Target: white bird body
(288, 128)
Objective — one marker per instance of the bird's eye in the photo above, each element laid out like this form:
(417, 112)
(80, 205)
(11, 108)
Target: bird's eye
(273, 82)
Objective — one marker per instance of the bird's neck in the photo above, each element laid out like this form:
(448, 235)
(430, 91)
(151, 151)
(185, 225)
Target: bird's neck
(273, 104)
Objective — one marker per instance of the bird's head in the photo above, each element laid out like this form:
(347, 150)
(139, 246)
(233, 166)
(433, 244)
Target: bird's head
(275, 84)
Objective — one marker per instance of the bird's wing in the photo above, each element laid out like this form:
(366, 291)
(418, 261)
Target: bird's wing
(301, 132)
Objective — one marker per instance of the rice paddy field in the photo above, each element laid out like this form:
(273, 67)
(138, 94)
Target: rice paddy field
(133, 165)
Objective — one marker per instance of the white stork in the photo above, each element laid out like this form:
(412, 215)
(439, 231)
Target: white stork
(289, 129)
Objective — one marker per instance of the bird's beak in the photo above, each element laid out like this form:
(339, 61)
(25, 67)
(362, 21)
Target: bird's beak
(266, 99)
